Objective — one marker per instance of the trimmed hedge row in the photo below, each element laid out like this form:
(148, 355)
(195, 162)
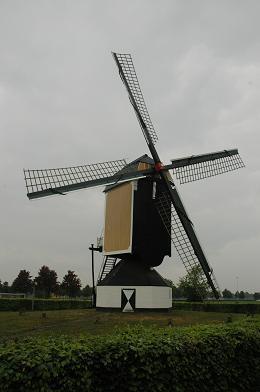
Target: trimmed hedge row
(212, 358)
(20, 304)
(222, 307)
(17, 304)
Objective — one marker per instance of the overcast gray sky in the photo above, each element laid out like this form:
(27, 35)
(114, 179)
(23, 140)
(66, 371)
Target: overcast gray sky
(62, 104)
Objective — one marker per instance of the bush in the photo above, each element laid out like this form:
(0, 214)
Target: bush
(212, 358)
(221, 306)
(17, 304)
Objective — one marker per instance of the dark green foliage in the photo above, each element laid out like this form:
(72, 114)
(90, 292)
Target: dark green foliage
(4, 287)
(71, 284)
(193, 285)
(257, 296)
(87, 291)
(46, 282)
(219, 358)
(221, 306)
(177, 292)
(17, 304)
(227, 294)
(23, 283)
(241, 295)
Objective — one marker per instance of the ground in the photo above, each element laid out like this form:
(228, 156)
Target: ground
(89, 321)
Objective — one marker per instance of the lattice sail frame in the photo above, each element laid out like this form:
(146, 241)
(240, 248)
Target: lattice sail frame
(128, 74)
(181, 241)
(40, 180)
(190, 170)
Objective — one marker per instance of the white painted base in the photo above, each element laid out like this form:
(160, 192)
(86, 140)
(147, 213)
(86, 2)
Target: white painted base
(147, 297)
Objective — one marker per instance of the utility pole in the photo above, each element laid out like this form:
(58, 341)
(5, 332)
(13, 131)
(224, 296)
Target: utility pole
(33, 296)
(94, 249)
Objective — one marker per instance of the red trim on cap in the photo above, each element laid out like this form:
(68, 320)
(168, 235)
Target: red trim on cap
(158, 167)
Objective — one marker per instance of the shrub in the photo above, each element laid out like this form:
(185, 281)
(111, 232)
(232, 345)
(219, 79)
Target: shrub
(17, 304)
(212, 358)
(221, 306)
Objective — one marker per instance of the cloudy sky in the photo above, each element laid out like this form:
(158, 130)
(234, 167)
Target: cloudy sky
(62, 104)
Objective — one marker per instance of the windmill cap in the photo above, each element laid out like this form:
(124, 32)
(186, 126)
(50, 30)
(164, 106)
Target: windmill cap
(131, 166)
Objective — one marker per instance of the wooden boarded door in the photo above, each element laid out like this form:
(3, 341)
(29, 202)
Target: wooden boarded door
(118, 219)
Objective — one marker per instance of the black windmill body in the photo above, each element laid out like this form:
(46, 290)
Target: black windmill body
(144, 212)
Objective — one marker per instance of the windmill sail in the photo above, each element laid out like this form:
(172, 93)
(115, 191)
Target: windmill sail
(128, 76)
(198, 167)
(184, 239)
(46, 182)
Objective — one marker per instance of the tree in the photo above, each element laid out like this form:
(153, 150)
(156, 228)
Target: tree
(23, 283)
(71, 284)
(227, 294)
(5, 287)
(177, 292)
(87, 291)
(249, 296)
(256, 296)
(46, 281)
(241, 295)
(193, 286)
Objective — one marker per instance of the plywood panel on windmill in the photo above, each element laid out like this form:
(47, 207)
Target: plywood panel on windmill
(118, 219)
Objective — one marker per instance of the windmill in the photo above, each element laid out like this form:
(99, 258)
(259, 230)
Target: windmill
(144, 213)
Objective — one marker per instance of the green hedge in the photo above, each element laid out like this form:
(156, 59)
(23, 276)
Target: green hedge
(19, 304)
(212, 358)
(222, 306)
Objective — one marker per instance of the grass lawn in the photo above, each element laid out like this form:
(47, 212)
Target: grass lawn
(88, 321)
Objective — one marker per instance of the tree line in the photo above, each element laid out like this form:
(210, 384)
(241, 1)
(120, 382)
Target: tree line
(46, 284)
(191, 287)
